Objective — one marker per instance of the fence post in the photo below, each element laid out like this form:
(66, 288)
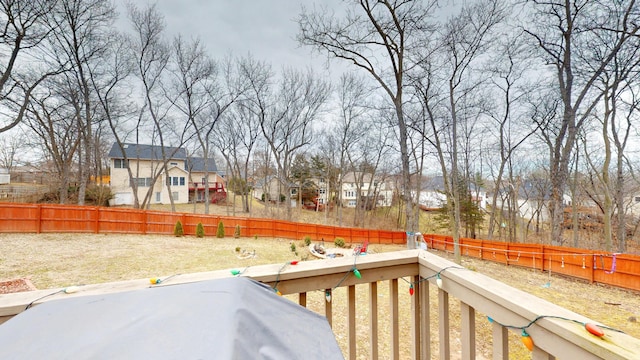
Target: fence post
(145, 224)
(39, 219)
(96, 222)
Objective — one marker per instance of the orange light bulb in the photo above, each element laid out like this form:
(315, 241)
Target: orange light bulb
(526, 340)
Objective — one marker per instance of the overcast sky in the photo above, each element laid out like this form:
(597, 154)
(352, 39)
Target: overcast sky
(264, 28)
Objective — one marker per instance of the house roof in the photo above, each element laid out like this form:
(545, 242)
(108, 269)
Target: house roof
(435, 183)
(142, 151)
(197, 164)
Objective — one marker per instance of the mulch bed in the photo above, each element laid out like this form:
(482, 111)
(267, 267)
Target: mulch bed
(16, 285)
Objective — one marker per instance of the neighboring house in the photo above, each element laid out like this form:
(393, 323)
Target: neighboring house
(184, 175)
(357, 185)
(432, 194)
(198, 181)
(5, 178)
(270, 188)
(533, 199)
(322, 190)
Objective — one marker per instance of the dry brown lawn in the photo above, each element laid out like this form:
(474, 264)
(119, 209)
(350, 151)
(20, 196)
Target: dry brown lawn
(59, 260)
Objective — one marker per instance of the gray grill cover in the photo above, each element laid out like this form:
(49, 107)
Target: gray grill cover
(234, 318)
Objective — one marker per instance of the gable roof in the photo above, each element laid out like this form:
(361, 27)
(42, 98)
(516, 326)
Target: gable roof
(197, 164)
(147, 152)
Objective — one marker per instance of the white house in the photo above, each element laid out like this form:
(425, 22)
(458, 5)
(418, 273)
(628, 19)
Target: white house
(432, 194)
(152, 173)
(5, 177)
(365, 186)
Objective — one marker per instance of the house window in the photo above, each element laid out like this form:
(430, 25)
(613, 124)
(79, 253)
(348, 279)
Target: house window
(176, 181)
(637, 198)
(158, 196)
(175, 195)
(142, 182)
(120, 163)
(174, 164)
(352, 203)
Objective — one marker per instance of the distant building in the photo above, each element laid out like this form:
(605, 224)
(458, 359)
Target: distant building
(5, 177)
(184, 174)
(366, 187)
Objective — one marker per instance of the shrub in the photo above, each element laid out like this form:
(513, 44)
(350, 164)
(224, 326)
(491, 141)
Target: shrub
(178, 230)
(307, 240)
(200, 230)
(293, 247)
(339, 242)
(220, 231)
(236, 233)
(98, 195)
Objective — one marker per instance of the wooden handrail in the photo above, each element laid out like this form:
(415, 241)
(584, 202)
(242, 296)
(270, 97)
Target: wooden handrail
(507, 307)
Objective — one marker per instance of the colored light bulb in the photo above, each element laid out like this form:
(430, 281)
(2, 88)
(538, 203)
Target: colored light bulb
(71, 290)
(357, 273)
(439, 281)
(327, 295)
(594, 329)
(490, 319)
(526, 340)
(294, 262)
(411, 289)
(155, 281)
(235, 272)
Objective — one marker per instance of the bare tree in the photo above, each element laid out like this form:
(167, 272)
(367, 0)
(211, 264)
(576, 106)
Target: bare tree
(239, 129)
(192, 86)
(11, 146)
(152, 57)
(509, 80)
(464, 38)
(617, 85)
(573, 38)
(377, 37)
(24, 27)
(79, 40)
(350, 126)
(51, 117)
(287, 123)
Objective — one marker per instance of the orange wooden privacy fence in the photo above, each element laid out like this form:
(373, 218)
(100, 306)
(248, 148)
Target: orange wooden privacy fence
(618, 270)
(46, 218)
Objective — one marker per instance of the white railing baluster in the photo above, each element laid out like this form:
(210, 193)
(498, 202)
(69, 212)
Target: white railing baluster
(443, 329)
(373, 320)
(468, 331)
(351, 316)
(415, 318)
(425, 320)
(500, 342)
(395, 313)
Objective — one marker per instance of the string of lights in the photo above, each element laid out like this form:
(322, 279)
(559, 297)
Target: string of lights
(523, 252)
(67, 290)
(156, 281)
(525, 337)
(528, 341)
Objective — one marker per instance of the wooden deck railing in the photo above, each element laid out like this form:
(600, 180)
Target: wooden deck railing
(420, 323)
